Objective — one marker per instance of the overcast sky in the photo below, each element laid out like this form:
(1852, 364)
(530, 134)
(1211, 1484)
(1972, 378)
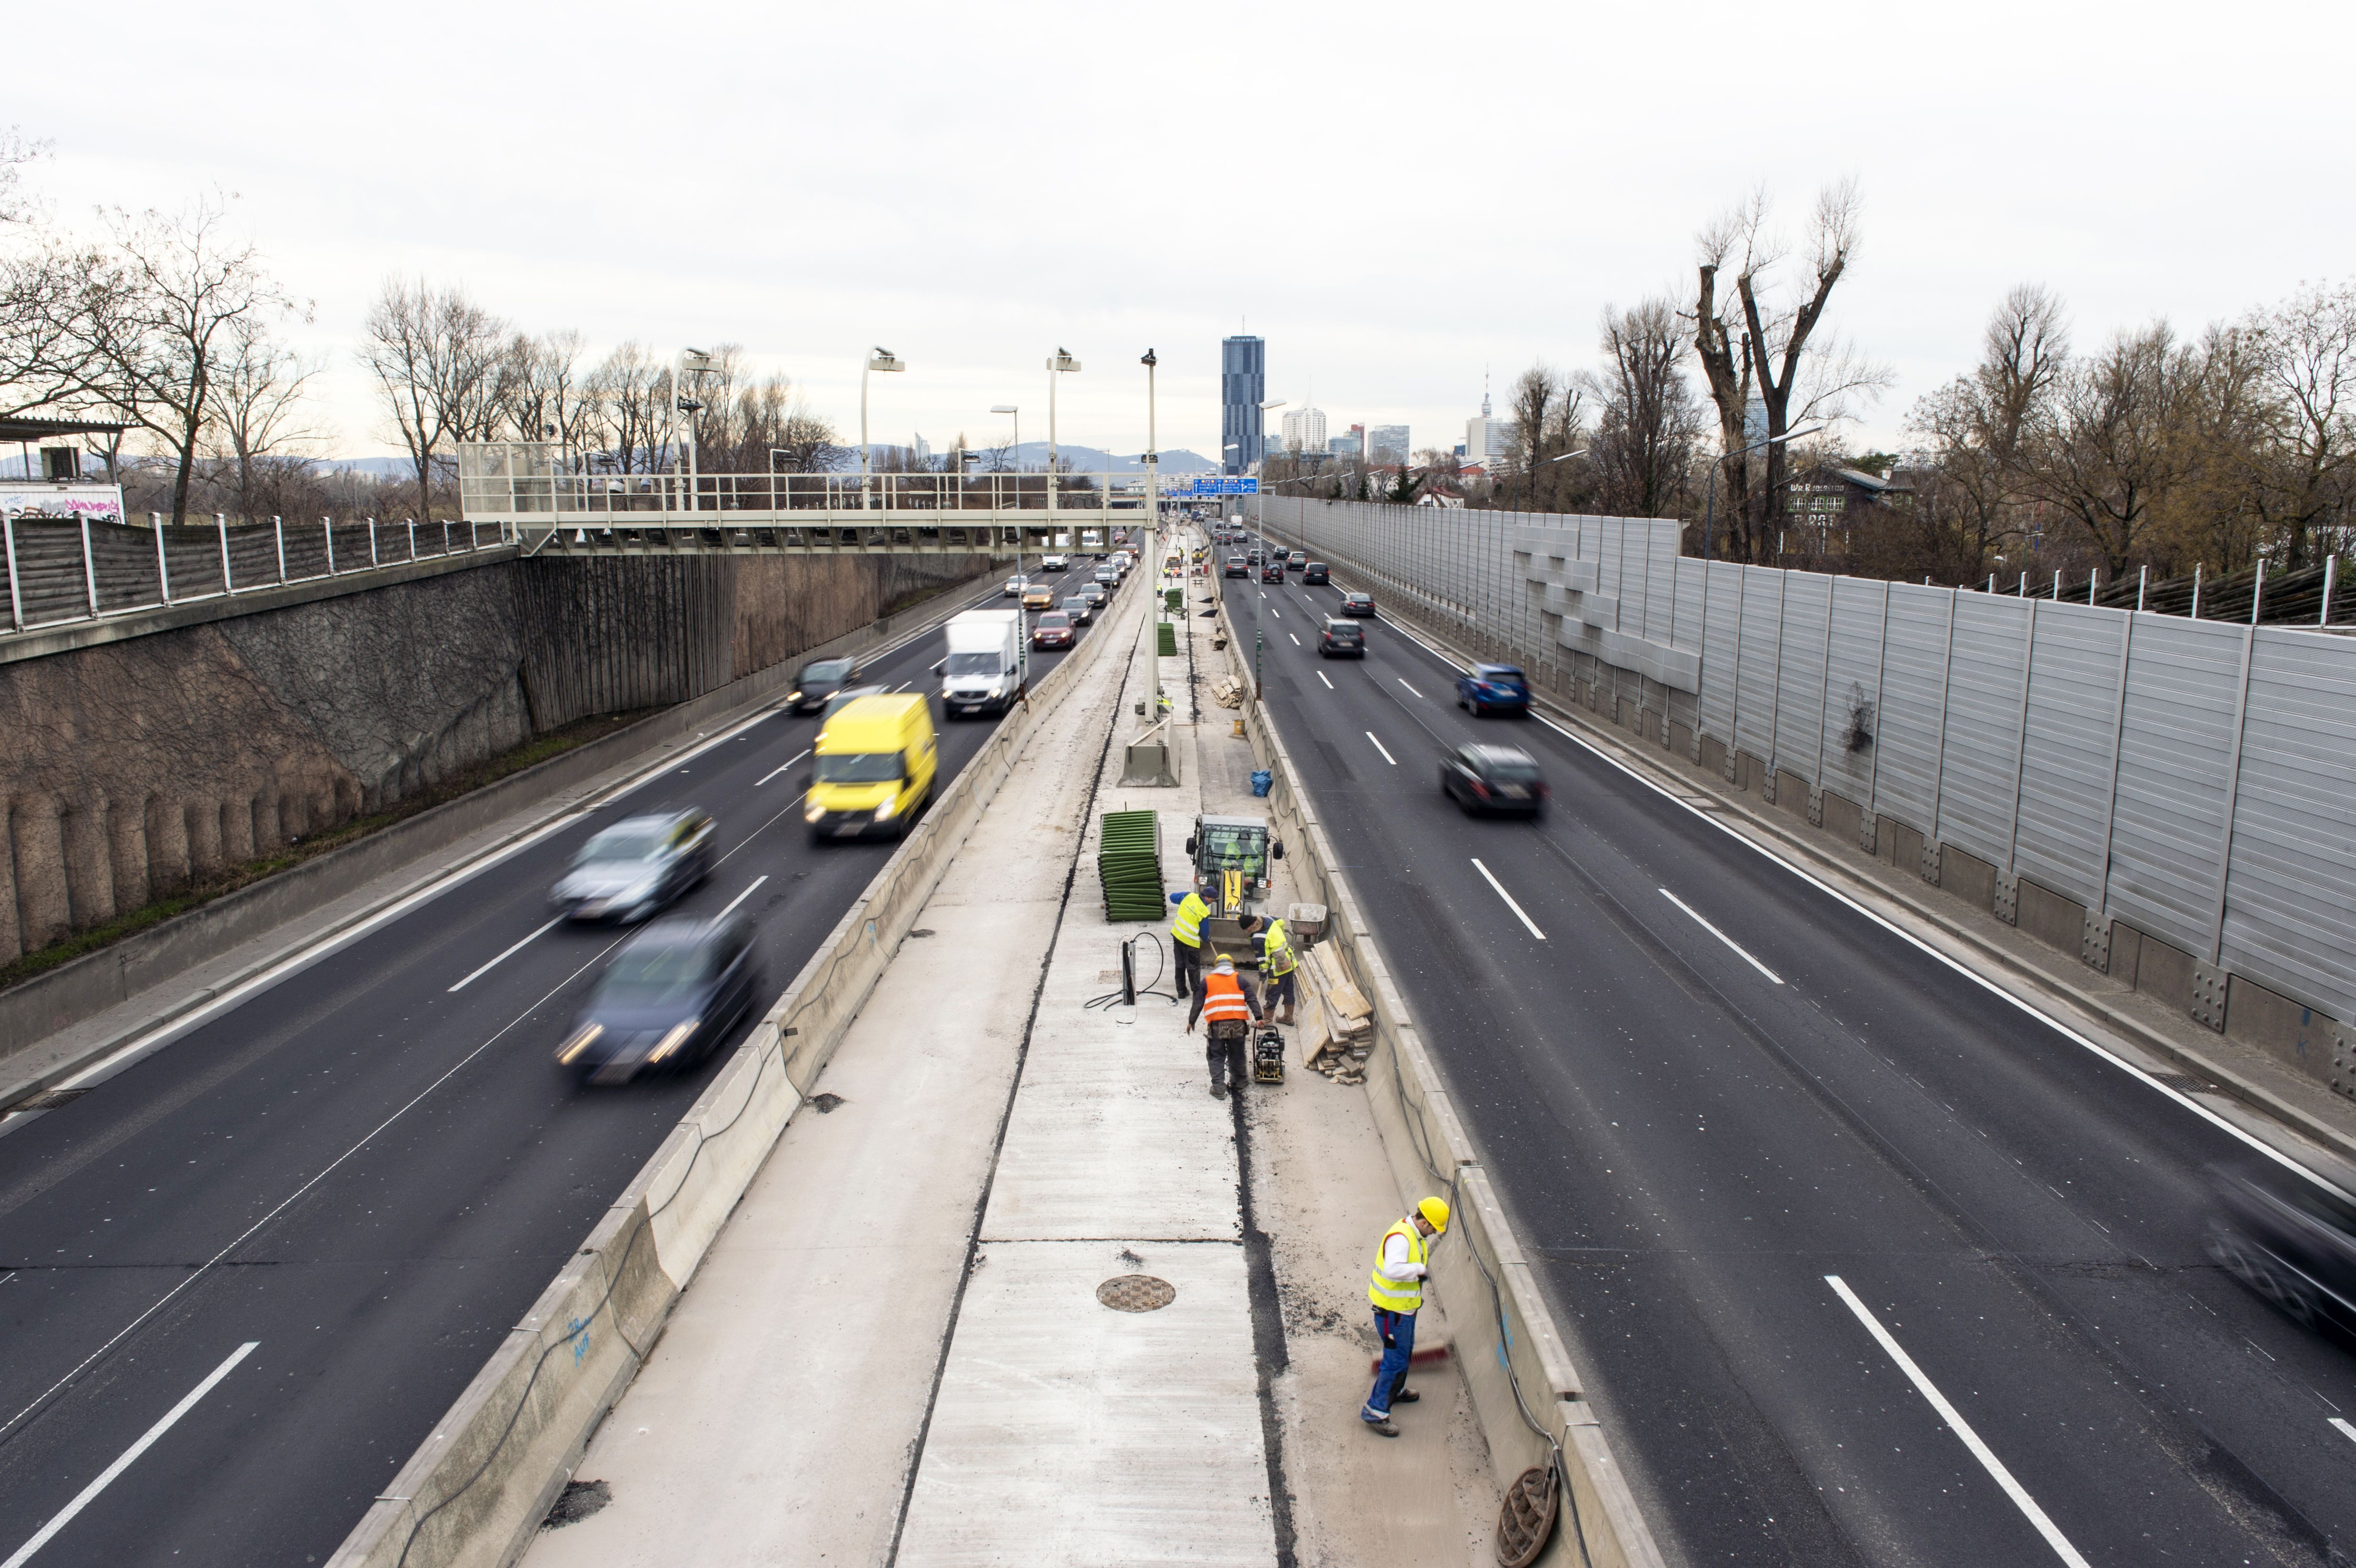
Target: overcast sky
(1398, 198)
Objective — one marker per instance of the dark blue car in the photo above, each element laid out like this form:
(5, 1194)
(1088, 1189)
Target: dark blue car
(1493, 688)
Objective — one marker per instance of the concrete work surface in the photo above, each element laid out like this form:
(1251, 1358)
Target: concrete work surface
(896, 1350)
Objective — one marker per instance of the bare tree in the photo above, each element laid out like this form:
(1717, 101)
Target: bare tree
(1771, 348)
(158, 315)
(1977, 428)
(2114, 443)
(16, 152)
(540, 390)
(1649, 424)
(434, 355)
(2303, 476)
(630, 395)
(258, 409)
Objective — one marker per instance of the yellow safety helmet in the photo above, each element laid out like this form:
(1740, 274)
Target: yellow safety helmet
(1219, 960)
(1435, 1212)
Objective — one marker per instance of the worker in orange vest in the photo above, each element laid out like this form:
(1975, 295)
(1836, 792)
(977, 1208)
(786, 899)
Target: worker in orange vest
(1227, 1010)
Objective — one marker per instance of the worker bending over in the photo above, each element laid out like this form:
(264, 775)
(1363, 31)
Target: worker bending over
(1277, 964)
(1226, 1010)
(1402, 1262)
(1186, 937)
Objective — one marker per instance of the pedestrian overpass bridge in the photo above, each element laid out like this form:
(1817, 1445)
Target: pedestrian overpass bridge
(537, 495)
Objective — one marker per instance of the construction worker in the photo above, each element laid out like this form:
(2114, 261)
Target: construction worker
(1227, 1011)
(1402, 1262)
(1277, 963)
(1186, 936)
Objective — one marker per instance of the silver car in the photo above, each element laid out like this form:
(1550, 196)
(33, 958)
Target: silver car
(636, 867)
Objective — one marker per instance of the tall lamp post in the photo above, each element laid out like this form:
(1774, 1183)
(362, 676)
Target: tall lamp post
(879, 359)
(1260, 512)
(690, 362)
(1150, 554)
(1062, 363)
(1709, 506)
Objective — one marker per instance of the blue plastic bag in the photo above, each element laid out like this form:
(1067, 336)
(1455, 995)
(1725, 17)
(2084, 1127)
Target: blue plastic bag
(1262, 780)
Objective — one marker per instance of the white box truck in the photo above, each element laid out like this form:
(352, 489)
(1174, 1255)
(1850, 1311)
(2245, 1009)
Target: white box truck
(985, 667)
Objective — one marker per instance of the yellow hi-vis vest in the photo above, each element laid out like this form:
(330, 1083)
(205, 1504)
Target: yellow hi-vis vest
(1397, 1295)
(1276, 952)
(1187, 925)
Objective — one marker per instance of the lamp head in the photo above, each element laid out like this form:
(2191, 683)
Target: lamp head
(882, 359)
(1062, 361)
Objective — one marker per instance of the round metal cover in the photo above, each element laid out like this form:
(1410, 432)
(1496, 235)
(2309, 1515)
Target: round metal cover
(1136, 1293)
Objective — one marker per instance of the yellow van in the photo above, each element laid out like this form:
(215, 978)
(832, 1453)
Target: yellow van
(874, 768)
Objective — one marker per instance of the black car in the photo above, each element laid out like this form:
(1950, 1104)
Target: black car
(820, 680)
(669, 997)
(1235, 567)
(1080, 608)
(1493, 778)
(1314, 573)
(1095, 593)
(1341, 639)
(1357, 604)
(637, 866)
(2291, 1239)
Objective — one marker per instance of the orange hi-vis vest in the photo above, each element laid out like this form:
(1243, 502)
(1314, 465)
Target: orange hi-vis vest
(1223, 1000)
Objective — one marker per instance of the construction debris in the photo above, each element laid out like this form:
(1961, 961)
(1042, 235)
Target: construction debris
(1228, 693)
(1339, 1033)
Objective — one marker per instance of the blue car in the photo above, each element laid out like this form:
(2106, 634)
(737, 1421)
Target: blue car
(1493, 688)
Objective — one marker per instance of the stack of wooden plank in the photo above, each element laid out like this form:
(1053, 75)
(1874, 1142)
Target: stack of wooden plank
(1228, 693)
(1339, 1031)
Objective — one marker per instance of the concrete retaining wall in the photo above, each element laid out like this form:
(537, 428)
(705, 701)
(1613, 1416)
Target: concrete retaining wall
(1493, 1301)
(88, 986)
(474, 1493)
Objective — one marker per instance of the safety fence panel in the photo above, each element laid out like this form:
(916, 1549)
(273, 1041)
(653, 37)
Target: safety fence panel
(1852, 686)
(2065, 777)
(1757, 653)
(1985, 686)
(2176, 757)
(2290, 902)
(1721, 646)
(1800, 675)
(1914, 704)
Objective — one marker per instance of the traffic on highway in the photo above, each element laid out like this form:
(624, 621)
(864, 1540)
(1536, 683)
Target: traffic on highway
(1869, 1262)
(264, 1258)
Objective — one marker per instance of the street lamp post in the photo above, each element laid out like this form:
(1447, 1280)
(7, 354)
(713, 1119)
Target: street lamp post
(1260, 512)
(1709, 506)
(879, 359)
(1062, 363)
(690, 362)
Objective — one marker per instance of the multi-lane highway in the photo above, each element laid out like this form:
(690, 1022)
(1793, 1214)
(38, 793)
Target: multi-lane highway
(366, 1173)
(1795, 1182)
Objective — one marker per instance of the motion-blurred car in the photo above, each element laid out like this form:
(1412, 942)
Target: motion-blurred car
(819, 681)
(1341, 639)
(1493, 688)
(1357, 604)
(1298, 561)
(1055, 563)
(2291, 1239)
(1052, 630)
(1038, 596)
(1236, 567)
(1483, 779)
(1273, 572)
(637, 866)
(1014, 587)
(1312, 573)
(1109, 577)
(1080, 608)
(668, 999)
(1095, 593)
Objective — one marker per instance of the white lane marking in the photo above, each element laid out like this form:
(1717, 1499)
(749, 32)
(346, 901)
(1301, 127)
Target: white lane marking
(1519, 913)
(206, 1268)
(740, 897)
(1383, 749)
(902, 685)
(65, 1514)
(1721, 936)
(2345, 1430)
(781, 767)
(1962, 1429)
(1410, 691)
(510, 953)
(1274, 611)
(1329, 684)
(1296, 641)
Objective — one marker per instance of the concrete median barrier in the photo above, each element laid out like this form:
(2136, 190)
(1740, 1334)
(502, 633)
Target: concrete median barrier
(474, 1492)
(1527, 1394)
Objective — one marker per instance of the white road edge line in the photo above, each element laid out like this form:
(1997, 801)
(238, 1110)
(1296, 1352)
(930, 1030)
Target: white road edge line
(1386, 750)
(1962, 1429)
(1739, 948)
(2345, 1430)
(740, 897)
(1518, 913)
(1775, 857)
(781, 767)
(65, 1514)
(1410, 691)
(1329, 684)
(510, 953)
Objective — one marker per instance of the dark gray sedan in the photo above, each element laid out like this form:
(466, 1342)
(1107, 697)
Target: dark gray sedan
(669, 997)
(633, 869)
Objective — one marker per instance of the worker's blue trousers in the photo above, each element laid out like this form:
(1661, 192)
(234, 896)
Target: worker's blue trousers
(1397, 1329)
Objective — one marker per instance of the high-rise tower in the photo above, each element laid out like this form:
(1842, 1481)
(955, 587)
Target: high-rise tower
(1243, 387)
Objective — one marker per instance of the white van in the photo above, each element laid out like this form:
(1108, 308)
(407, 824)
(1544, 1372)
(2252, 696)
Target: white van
(984, 668)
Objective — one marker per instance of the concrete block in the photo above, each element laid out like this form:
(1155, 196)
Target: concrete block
(1967, 876)
(1682, 740)
(1844, 818)
(2292, 1033)
(2052, 918)
(1710, 752)
(2163, 970)
(2206, 1002)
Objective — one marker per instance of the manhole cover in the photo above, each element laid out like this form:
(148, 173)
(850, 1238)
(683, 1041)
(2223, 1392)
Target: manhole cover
(2183, 1083)
(1136, 1293)
(49, 1100)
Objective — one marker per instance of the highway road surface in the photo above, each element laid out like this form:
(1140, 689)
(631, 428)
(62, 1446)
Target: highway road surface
(240, 1279)
(1871, 1265)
